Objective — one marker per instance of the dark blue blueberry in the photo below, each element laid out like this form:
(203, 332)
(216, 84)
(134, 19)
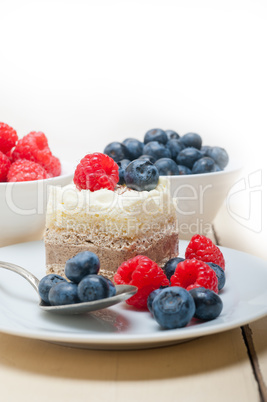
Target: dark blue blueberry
(112, 288)
(219, 155)
(175, 147)
(188, 157)
(82, 264)
(151, 297)
(170, 266)
(204, 165)
(117, 151)
(192, 140)
(148, 158)
(219, 273)
(167, 167)
(183, 170)
(204, 149)
(63, 293)
(141, 175)
(134, 147)
(208, 304)
(173, 307)
(156, 134)
(156, 150)
(172, 135)
(93, 287)
(46, 283)
(122, 166)
(217, 168)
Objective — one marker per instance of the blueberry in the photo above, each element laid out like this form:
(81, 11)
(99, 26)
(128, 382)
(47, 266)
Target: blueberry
(82, 264)
(63, 293)
(175, 147)
(183, 170)
(117, 151)
(204, 165)
(173, 307)
(166, 167)
(46, 283)
(172, 135)
(141, 175)
(204, 149)
(170, 266)
(156, 150)
(148, 158)
(112, 288)
(151, 297)
(219, 273)
(208, 304)
(217, 168)
(192, 140)
(93, 287)
(156, 134)
(188, 157)
(134, 147)
(122, 166)
(219, 155)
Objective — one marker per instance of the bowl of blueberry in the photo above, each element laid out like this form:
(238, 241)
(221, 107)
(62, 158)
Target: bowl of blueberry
(200, 175)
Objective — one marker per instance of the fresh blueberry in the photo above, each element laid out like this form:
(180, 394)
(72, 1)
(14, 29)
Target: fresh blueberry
(172, 135)
(117, 151)
(183, 170)
(219, 155)
(219, 273)
(188, 157)
(46, 283)
(82, 264)
(122, 166)
(208, 304)
(151, 297)
(156, 150)
(173, 307)
(148, 158)
(93, 287)
(134, 147)
(204, 149)
(217, 168)
(192, 140)
(175, 147)
(112, 288)
(63, 293)
(170, 266)
(204, 165)
(166, 167)
(156, 134)
(141, 175)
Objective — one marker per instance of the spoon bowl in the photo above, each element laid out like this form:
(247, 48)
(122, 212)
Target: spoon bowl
(123, 292)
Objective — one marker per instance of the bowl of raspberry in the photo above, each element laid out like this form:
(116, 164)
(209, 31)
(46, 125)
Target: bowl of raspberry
(27, 169)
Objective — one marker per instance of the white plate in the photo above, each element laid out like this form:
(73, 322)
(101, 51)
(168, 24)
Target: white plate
(120, 327)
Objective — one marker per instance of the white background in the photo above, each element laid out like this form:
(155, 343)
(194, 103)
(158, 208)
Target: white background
(90, 72)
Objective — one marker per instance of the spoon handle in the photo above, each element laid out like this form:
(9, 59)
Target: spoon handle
(23, 272)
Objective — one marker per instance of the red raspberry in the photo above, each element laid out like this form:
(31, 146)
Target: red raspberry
(54, 167)
(193, 273)
(144, 273)
(96, 171)
(4, 166)
(8, 138)
(202, 248)
(24, 170)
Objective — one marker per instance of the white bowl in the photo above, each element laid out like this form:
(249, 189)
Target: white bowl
(23, 207)
(199, 197)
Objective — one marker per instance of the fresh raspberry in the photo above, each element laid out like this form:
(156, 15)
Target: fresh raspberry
(4, 166)
(8, 138)
(24, 170)
(194, 273)
(54, 167)
(96, 171)
(202, 248)
(144, 273)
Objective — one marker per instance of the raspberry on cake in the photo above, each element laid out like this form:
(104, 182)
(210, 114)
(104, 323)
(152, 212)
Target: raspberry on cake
(116, 225)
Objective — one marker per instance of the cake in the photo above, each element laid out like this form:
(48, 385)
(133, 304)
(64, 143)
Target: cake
(116, 225)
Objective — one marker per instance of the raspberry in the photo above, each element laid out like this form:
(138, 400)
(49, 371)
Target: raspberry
(202, 248)
(144, 273)
(54, 167)
(8, 138)
(4, 166)
(24, 170)
(194, 273)
(96, 171)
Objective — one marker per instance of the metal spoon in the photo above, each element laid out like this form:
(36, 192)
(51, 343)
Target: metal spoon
(123, 292)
